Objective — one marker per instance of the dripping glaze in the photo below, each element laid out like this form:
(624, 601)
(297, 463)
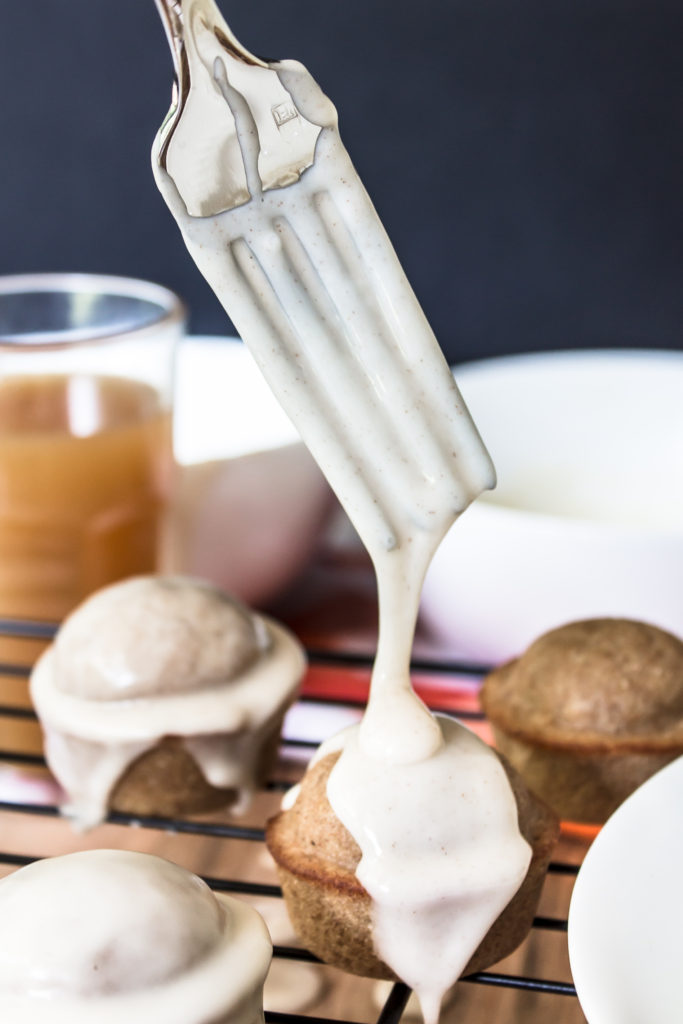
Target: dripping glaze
(310, 280)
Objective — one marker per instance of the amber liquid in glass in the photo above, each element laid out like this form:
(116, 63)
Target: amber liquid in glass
(85, 467)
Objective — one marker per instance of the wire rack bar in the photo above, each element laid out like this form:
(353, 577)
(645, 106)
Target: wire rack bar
(19, 758)
(273, 1017)
(558, 988)
(262, 889)
(8, 668)
(361, 659)
(17, 860)
(12, 711)
(27, 629)
(246, 888)
(395, 1004)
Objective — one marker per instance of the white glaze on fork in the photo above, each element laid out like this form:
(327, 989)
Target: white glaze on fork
(313, 285)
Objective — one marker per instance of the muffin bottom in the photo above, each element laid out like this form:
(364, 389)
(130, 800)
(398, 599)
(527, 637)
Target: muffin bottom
(167, 781)
(580, 786)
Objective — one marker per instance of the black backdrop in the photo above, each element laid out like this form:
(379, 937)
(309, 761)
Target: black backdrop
(525, 155)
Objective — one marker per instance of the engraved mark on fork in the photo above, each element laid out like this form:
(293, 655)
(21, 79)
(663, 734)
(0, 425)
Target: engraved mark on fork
(284, 112)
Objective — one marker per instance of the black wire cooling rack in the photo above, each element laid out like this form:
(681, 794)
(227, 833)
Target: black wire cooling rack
(394, 1005)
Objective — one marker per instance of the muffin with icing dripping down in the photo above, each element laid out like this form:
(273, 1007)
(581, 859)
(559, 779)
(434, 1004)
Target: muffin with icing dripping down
(295, 252)
(162, 695)
(420, 871)
(111, 936)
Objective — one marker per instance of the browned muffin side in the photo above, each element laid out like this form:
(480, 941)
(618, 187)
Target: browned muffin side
(589, 712)
(166, 781)
(317, 858)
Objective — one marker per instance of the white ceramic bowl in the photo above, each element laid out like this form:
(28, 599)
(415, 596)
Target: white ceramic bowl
(625, 913)
(251, 501)
(587, 517)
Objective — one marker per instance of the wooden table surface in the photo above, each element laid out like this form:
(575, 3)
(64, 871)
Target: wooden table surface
(332, 608)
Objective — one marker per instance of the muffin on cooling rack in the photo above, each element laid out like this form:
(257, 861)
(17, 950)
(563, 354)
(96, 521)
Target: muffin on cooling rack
(111, 936)
(162, 695)
(589, 712)
(320, 865)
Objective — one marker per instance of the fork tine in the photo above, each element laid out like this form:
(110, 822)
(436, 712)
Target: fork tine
(297, 377)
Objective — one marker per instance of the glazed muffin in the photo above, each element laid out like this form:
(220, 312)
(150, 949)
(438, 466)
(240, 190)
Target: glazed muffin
(162, 695)
(318, 864)
(112, 936)
(589, 712)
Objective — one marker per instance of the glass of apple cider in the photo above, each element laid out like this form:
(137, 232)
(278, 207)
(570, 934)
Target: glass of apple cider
(86, 462)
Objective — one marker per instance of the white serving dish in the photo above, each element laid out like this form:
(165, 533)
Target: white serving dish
(251, 502)
(625, 942)
(587, 517)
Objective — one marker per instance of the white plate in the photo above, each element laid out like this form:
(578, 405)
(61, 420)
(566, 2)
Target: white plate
(626, 912)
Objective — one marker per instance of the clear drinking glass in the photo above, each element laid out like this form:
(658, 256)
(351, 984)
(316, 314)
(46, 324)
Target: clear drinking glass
(86, 389)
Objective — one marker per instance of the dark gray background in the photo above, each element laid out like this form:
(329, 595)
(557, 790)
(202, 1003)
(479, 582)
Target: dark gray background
(526, 156)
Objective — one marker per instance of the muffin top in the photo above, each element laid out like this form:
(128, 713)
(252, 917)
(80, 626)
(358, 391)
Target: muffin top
(103, 922)
(598, 684)
(153, 635)
(307, 838)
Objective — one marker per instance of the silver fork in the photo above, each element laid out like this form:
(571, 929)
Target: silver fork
(250, 162)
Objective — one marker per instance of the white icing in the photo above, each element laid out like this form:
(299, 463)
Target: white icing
(146, 941)
(223, 722)
(441, 852)
(147, 632)
(314, 287)
(290, 797)
(312, 284)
